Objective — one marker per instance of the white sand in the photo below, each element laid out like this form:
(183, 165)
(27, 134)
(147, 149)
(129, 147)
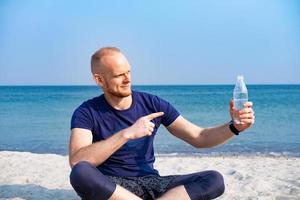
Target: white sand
(45, 176)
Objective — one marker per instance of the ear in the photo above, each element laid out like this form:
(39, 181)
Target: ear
(98, 79)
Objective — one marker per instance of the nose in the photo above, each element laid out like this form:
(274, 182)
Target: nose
(127, 77)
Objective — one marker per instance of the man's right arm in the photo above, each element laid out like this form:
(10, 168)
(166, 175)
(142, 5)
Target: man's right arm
(81, 147)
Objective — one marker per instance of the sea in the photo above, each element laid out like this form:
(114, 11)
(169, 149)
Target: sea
(37, 118)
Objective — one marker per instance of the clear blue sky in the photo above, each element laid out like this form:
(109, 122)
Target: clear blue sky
(49, 42)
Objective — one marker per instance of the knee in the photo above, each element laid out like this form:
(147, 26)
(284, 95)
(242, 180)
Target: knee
(78, 173)
(206, 185)
(216, 183)
(90, 183)
(79, 169)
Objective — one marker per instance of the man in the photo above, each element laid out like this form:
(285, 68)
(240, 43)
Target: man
(111, 144)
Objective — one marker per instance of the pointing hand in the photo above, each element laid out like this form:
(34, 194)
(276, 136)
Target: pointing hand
(143, 126)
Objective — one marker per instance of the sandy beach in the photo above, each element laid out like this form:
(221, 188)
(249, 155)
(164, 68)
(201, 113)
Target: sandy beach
(45, 176)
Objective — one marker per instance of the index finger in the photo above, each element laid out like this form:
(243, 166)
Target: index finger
(154, 115)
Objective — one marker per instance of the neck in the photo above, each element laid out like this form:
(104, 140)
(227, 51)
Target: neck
(119, 103)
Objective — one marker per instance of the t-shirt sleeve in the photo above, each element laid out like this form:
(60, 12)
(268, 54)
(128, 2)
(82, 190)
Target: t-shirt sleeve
(81, 118)
(170, 112)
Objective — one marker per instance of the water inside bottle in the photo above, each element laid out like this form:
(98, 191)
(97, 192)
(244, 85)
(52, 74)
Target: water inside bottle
(239, 100)
(239, 103)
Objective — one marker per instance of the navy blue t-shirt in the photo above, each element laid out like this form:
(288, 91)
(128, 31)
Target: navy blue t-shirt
(136, 157)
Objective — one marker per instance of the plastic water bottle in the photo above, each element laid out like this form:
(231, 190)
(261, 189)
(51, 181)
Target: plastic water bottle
(240, 96)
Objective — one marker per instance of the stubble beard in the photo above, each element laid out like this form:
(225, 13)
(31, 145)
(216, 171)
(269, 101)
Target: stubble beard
(120, 94)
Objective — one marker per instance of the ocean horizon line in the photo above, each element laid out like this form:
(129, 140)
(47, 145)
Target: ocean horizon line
(212, 84)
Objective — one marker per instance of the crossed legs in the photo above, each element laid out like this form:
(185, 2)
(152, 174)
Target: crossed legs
(91, 184)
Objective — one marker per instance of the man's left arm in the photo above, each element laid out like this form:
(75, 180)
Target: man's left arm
(208, 137)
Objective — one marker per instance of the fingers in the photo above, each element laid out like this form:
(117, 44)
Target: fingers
(248, 104)
(246, 116)
(247, 121)
(143, 126)
(150, 127)
(154, 115)
(246, 111)
(151, 124)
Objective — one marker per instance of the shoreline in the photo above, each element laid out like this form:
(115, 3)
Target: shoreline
(195, 154)
(26, 175)
(230, 155)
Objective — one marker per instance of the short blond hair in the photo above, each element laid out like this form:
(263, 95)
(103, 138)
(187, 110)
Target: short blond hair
(98, 55)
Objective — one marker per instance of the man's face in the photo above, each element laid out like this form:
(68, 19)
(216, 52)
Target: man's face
(116, 79)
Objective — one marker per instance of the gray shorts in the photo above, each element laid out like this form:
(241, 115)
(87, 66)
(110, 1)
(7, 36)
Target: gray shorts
(147, 187)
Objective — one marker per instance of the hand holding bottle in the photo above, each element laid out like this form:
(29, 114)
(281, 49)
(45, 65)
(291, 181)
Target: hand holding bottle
(246, 115)
(240, 108)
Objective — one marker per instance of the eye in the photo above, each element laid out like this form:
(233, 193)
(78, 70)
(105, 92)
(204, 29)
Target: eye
(117, 76)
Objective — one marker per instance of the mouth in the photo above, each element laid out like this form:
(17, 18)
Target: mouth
(125, 86)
